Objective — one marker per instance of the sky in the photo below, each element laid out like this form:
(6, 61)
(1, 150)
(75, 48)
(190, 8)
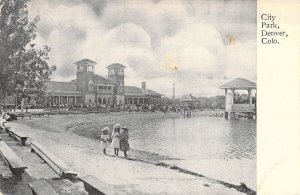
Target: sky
(196, 44)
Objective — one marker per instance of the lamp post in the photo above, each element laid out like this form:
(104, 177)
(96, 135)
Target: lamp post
(49, 95)
(173, 94)
(18, 88)
(96, 95)
(51, 103)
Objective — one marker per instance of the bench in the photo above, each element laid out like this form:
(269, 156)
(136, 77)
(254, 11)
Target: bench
(41, 187)
(15, 164)
(41, 113)
(56, 164)
(17, 134)
(5, 172)
(95, 186)
(58, 112)
(23, 115)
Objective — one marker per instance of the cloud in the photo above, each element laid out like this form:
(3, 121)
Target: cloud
(198, 45)
(129, 34)
(241, 60)
(158, 19)
(194, 49)
(68, 29)
(231, 18)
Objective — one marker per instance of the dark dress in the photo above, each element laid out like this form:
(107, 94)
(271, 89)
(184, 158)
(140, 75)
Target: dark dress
(124, 145)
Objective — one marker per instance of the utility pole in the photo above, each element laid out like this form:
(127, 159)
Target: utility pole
(173, 94)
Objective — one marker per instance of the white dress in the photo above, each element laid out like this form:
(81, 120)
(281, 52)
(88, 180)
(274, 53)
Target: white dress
(104, 144)
(115, 140)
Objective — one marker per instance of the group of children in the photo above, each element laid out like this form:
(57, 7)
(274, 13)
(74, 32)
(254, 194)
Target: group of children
(119, 137)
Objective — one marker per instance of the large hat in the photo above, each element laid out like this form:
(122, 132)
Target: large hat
(105, 129)
(117, 126)
(125, 128)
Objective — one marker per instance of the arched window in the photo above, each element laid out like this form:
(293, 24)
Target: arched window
(111, 72)
(91, 86)
(90, 68)
(120, 72)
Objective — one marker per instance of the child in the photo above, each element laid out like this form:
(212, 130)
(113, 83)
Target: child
(116, 139)
(104, 139)
(124, 144)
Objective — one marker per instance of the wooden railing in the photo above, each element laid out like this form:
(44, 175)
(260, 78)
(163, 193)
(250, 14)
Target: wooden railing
(240, 108)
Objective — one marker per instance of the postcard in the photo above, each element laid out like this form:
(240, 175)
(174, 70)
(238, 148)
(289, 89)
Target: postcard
(149, 97)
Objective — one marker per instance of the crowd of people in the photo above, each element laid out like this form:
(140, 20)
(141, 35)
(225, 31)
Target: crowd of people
(8, 113)
(119, 140)
(114, 107)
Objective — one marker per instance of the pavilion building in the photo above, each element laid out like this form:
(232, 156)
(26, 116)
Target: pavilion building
(135, 95)
(90, 88)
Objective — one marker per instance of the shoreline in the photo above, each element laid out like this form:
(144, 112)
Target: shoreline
(53, 132)
(90, 126)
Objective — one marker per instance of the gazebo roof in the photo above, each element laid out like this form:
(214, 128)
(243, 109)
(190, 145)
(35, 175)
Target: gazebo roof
(188, 98)
(239, 83)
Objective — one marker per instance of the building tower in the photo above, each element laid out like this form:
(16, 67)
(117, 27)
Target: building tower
(85, 80)
(116, 74)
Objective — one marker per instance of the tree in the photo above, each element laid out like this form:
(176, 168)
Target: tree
(22, 65)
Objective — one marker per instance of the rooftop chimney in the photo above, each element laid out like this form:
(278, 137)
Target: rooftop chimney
(143, 85)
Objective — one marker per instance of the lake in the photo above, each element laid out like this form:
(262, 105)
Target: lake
(198, 137)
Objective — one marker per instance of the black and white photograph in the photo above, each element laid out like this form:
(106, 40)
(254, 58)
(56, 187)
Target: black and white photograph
(129, 96)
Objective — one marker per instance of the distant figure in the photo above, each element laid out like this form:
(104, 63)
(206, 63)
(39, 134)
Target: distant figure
(2, 121)
(104, 139)
(11, 115)
(124, 144)
(115, 144)
(22, 105)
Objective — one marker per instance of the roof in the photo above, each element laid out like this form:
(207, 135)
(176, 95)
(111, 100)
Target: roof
(102, 79)
(62, 88)
(131, 90)
(116, 65)
(150, 92)
(239, 83)
(188, 98)
(98, 78)
(84, 62)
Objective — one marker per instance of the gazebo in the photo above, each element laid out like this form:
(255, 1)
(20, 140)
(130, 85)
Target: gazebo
(236, 103)
(189, 100)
